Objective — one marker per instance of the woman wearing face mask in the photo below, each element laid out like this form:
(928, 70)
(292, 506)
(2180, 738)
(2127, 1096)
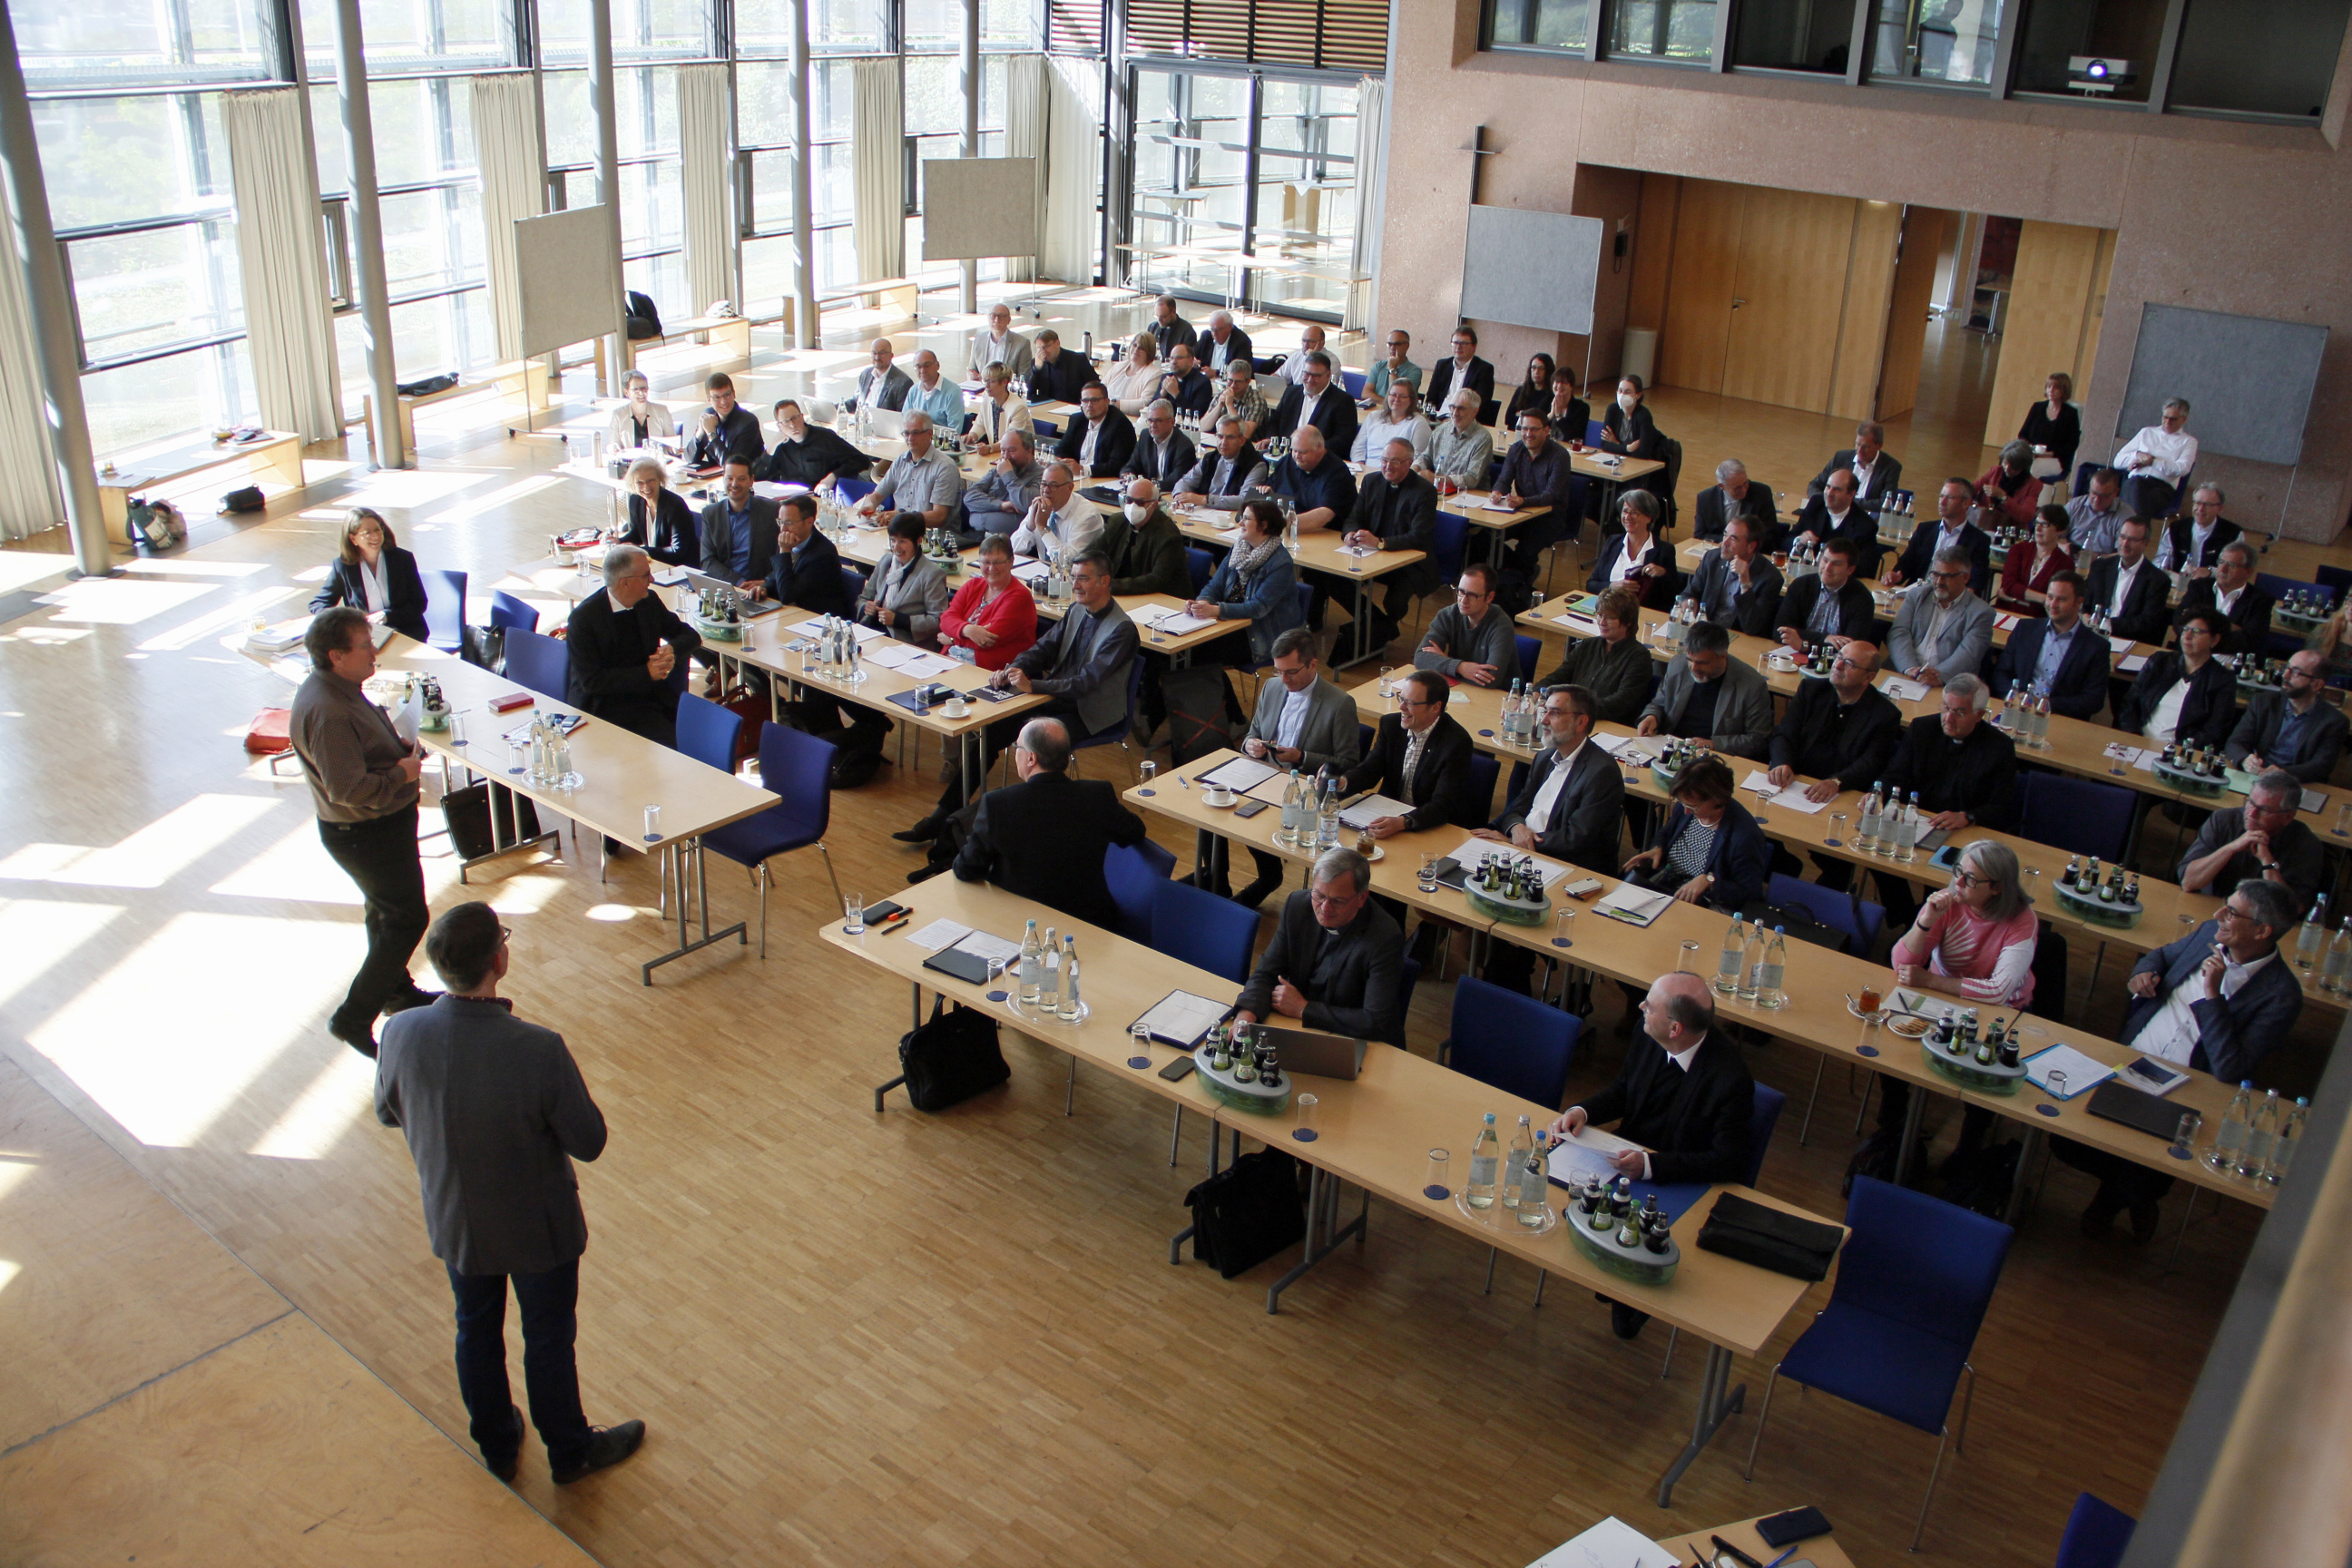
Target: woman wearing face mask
(1146, 556)
(1257, 582)
(374, 574)
(1628, 430)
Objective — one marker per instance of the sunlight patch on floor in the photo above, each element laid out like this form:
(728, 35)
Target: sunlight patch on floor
(342, 1093)
(149, 858)
(406, 489)
(37, 933)
(118, 601)
(177, 567)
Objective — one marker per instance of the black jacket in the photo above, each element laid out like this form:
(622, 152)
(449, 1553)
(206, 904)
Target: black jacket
(1335, 416)
(1168, 334)
(2208, 714)
(1194, 391)
(1635, 436)
(1443, 792)
(1062, 380)
(1350, 980)
(1586, 815)
(1237, 349)
(717, 542)
(1716, 588)
(673, 540)
(2320, 743)
(1147, 560)
(1693, 1123)
(608, 648)
(1861, 527)
(2081, 689)
(1479, 378)
(1920, 553)
(2183, 529)
(1410, 525)
(2146, 617)
(1978, 776)
(405, 587)
(1856, 610)
(1112, 448)
(741, 431)
(1657, 592)
(2249, 618)
(1043, 840)
(810, 577)
(1885, 477)
(816, 456)
(1144, 463)
(1714, 510)
(1822, 739)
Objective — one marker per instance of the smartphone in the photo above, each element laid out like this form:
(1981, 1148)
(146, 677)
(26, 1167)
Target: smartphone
(1249, 808)
(2154, 1076)
(882, 914)
(1174, 1071)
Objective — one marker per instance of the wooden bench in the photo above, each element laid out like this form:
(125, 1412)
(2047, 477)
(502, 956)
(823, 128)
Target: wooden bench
(902, 295)
(278, 453)
(526, 378)
(731, 334)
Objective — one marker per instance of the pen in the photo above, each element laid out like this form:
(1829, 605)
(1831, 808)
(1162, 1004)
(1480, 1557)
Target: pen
(1785, 1555)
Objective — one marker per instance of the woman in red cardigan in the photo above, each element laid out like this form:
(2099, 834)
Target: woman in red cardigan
(991, 618)
(2025, 574)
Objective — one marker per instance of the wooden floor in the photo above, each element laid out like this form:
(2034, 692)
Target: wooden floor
(856, 1339)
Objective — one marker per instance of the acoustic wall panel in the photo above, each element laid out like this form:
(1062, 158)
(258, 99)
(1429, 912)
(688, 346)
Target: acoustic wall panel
(570, 269)
(2249, 381)
(980, 206)
(1531, 268)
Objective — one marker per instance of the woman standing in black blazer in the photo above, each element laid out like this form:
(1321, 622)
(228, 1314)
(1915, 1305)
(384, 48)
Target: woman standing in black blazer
(376, 574)
(2055, 425)
(672, 537)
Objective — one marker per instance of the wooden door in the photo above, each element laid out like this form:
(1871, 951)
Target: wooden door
(2055, 292)
(1925, 231)
(1699, 302)
(1789, 298)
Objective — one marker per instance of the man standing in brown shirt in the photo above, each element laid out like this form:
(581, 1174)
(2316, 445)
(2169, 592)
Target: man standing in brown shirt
(362, 779)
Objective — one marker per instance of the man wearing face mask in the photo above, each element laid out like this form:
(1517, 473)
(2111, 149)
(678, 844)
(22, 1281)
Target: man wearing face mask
(1147, 551)
(2291, 729)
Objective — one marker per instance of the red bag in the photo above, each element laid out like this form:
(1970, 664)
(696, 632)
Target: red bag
(267, 734)
(752, 709)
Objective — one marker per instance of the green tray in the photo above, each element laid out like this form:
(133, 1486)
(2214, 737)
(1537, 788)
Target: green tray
(1638, 1264)
(1511, 912)
(2191, 783)
(2120, 916)
(1969, 1075)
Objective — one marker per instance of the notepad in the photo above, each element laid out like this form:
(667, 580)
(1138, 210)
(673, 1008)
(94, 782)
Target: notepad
(1611, 1544)
(1903, 690)
(1790, 799)
(1634, 905)
(1586, 1155)
(2082, 1074)
(1363, 813)
(1182, 1019)
(1243, 774)
(2131, 666)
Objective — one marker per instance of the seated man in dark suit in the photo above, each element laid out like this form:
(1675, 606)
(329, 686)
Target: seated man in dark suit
(1571, 809)
(1836, 514)
(1466, 368)
(1684, 1094)
(739, 428)
(1162, 454)
(1877, 474)
(806, 571)
(1734, 585)
(1100, 439)
(2244, 602)
(1315, 479)
(1055, 374)
(1336, 961)
(1396, 508)
(1421, 758)
(2262, 839)
(806, 454)
(2193, 539)
(1952, 528)
(1733, 494)
(1831, 606)
(2294, 729)
(2057, 654)
(1043, 837)
(738, 532)
(624, 643)
(1964, 772)
(1302, 721)
(2130, 590)
(1185, 384)
(2183, 696)
(1320, 401)
(2216, 1001)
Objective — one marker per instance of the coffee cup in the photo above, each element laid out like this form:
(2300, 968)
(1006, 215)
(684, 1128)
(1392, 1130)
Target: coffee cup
(956, 708)
(1220, 796)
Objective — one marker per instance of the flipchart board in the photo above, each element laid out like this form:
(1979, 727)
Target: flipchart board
(1530, 268)
(570, 266)
(2249, 381)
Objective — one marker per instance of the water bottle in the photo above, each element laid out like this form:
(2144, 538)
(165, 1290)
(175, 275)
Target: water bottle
(2312, 938)
(1873, 805)
(1069, 1008)
(1534, 1183)
(2230, 1142)
(563, 760)
(2262, 1137)
(1326, 824)
(2335, 969)
(1771, 972)
(1033, 966)
(1294, 809)
(1049, 978)
(541, 751)
(2290, 1135)
(1751, 962)
(1483, 1152)
(1908, 831)
(1522, 1141)
(1726, 967)
(2042, 721)
(849, 646)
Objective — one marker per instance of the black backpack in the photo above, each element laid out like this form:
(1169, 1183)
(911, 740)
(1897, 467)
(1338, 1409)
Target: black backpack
(947, 1059)
(1202, 714)
(1248, 1212)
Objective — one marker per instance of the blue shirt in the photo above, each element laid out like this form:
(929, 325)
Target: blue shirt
(739, 535)
(943, 402)
(2287, 749)
(2055, 644)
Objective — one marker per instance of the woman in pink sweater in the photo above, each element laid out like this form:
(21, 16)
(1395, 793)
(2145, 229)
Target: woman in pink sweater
(1974, 939)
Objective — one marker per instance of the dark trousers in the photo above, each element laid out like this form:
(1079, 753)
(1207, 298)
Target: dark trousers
(2121, 1182)
(551, 1376)
(994, 739)
(2148, 496)
(866, 731)
(380, 858)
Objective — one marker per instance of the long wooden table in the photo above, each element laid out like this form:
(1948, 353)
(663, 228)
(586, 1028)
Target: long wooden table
(1374, 1133)
(622, 774)
(1318, 550)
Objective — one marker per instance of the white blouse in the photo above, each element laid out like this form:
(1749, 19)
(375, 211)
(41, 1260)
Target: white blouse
(1628, 562)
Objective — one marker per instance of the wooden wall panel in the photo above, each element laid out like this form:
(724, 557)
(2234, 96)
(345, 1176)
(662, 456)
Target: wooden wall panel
(2049, 307)
(1926, 235)
(1793, 250)
(2095, 316)
(1862, 325)
(1653, 250)
(1696, 340)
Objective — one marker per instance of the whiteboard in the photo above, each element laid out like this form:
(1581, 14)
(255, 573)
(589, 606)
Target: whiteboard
(1530, 268)
(569, 264)
(980, 206)
(2249, 381)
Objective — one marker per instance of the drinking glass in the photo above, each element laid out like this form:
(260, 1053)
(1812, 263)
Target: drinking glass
(1388, 683)
(653, 821)
(853, 915)
(1689, 963)
(1305, 1104)
(1435, 1187)
(1138, 1039)
(2117, 765)
(1151, 770)
(2184, 1139)
(457, 729)
(1563, 924)
(514, 758)
(1837, 829)
(2344, 820)
(2057, 1083)
(1429, 870)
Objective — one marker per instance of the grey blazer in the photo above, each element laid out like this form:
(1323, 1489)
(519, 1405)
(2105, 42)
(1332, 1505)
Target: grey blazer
(1743, 708)
(1962, 649)
(1330, 734)
(915, 593)
(1018, 360)
(1091, 674)
(1246, 474)
(495, 1112)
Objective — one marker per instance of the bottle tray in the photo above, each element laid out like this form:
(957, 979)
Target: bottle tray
(1970, 1073)
(2094, 911)
(719, 631)
(1636, 1263)
(2190, 783)
(1226, 1090)
(1509, 910)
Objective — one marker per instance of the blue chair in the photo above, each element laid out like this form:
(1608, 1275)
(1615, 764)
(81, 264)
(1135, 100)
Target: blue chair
(1836, 910)
(1531, 656)
(1762, 1118)
(794, 766)
(1408, 976)
(541, 664)
(2075, 814)
(1202, 564)
(1593, 430)
(1364, 736)
(2333, 580)
(1511, 1042)
(853, 491)
(2097, 1534)
(445, 610)
(2280, 587)
(1911, 1293)
(1485, 769)
(1353, 380)
(507, 612)
(1203, 929)
(852, 584)
(1116, 734)
(707, 731)
(1452, 533)
(1135, 875)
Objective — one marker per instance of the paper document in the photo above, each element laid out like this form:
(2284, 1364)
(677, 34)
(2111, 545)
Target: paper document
(1498, 503)
(2131, 665)
(1175, 624)
(815, 625)
(1241, 774)
(890, 654)
(939, 934)
(1034, 572)
(2121, 645)
(1269, 790)
(1611, 1544)
(1634, 905)
(675, 577)
(1362, 814)
(1903, 690)
(1577, 623)
(981, 945)
(2007, 621)
(925, 665)
(1790, 799)
(276, 639)
(2138, 756)
(1920, 1004)
(1586, 1155)
(1475, 852)
(1180, 1018)
(2082, 1072)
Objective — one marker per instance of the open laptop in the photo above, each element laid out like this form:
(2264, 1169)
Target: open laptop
(1316, 1054)
(884, 424)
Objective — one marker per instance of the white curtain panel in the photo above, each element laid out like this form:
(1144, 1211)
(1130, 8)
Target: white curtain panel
(1025, 113)
(703, 162)
(514, 185)
(290, 329)
(1372, 180)
(31, 500)
(877, 141)
(1073, 164)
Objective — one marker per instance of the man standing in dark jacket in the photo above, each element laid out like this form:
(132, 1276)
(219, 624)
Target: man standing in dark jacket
(495, 1111)
(624, 643)
(1043, 837)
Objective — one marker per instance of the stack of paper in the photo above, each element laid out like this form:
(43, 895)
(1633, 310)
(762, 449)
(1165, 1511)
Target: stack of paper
(926, 665)
(890, 654)
(1611, 1544)
(1241, 774)
(1586, 1155)
(1903, 690)
(1363, 813)
(1182, 1019)
(1791, 799)
(2131, 666)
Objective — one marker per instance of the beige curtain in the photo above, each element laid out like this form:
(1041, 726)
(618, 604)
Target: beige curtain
(1371, 175)
(1025, 113)
(514, 185)
(1074, 168)
(31, 500)
(878, 162)
(705, 159)
(282, 252)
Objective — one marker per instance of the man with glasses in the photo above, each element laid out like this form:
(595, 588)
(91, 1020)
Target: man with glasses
(1571, 809)
(495, 1111)
(1317, 401)
(2217, 1001)
(924, 482)
(2094, 518)
(1831, 606)
(1536, 472)
(1303, 722)
(739, 428)
(1471, 638)
(1733, 494)
(1734, 585)
(998, 343)
(1336, 959)
(1836, 514)
(623, 644)
(881, 385)
(934, 394)
(997, 501)
(1227, 345)
(2245, 603)
(1392, 369)
(2193, 542)
(2293, 728)
(1101, 439)
(1709, 696)
(1317, 483)
(1059, 376)
(1061, 524)
(1224, 478)
(1872, 473)
(1954, 527)
(2154, 460)
(1170, 330)
(1839, 732)
(1942, 629)
(1294, 365)
(1460, 448)
(1421, 760)
(2263, 838)
(1396, 508)
(806, 454)
(1465, 369)
(1184, 385)
(2129, 588)
(1165, 454)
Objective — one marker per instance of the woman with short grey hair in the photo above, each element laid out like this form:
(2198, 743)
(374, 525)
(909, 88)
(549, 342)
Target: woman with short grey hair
(2009, 485)
(1975, 939)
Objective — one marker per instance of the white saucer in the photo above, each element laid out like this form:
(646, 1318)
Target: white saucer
(1208, 800)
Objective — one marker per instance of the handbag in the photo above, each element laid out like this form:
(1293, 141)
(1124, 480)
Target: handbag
(484, 647)
(249, 499)
(1770, 1239)
(752, 707)
(268, 735)
(466, 813)
(949, 1057)
(1248, 1212)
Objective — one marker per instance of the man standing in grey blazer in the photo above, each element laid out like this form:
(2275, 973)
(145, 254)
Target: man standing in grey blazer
(1303, 721)
(495, 1112)
(1943, 630)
